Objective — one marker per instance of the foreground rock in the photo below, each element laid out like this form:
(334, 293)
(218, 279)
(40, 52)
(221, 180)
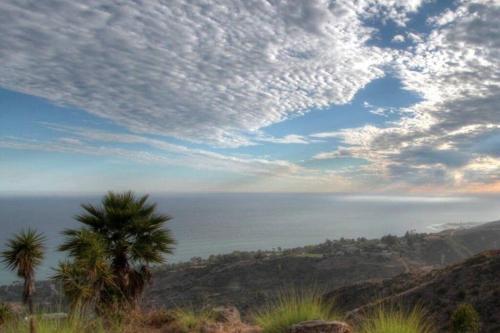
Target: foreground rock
(320, 326)
(229, 328)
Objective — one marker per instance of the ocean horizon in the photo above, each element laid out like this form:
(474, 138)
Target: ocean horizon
(217, 223)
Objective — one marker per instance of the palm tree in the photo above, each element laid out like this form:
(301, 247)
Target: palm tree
(86, 278)
(24, 253)
(121, 237)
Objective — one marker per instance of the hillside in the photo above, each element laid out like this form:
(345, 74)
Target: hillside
(250, 283)
(440, 291)
(247, 280)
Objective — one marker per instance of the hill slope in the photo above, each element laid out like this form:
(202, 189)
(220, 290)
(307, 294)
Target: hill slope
(440, 291)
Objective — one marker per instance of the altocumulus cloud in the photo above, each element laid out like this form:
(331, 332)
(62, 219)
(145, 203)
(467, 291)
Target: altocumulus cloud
(218, 72)
(450, 137)
(205, 71)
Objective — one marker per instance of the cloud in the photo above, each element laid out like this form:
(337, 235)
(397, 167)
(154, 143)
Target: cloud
(398, 39)
(252, 173)
(96, 142)
(287, 139)
(219, 72)
(211, 72)
(380, 111)
(429, 156)
(389, 10)
(327, 155)
(416, 38)
(450, 137)
(405, 199)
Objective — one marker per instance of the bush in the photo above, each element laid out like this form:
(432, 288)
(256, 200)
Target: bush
(390, 240)
(465, 319)
(392, 320)
(292, 308)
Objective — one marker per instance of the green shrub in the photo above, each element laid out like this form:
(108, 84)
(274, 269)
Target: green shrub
(384, 320)
(465, 319)
(292, 308)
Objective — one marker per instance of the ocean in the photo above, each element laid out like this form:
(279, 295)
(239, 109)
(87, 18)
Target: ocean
(206, 224)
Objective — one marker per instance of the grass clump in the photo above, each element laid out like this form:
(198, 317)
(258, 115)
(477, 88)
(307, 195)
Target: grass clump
(292, 308)
(465, 319)
(188, 320)
(6, 313)
(383, 320)
(157, 318)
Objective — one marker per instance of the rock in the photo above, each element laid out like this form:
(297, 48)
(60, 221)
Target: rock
(320, 326)
(54, 316)
(211, 328)
(16, 307)
(251, 329)
(226, 314)
(229, 328)
(228, 320)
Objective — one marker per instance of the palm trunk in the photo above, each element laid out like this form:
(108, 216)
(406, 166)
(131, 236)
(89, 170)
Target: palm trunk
(122, 271)
(32, 317)
(29, 288)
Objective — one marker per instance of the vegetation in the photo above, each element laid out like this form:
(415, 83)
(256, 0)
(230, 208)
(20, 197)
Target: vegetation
(5, 313)
(24, 254)
(110, 255)
(465, 319)
(180, 320)
(392, 320)
(156, 318)
(390, 240)
(74, 324)
(292, 308)
(188, 320)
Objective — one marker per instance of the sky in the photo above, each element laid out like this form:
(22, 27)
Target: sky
(364, 96)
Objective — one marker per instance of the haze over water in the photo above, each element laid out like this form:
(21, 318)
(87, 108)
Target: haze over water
(206, 224)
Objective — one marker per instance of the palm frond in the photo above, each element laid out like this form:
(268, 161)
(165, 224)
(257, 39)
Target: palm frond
(24, 252)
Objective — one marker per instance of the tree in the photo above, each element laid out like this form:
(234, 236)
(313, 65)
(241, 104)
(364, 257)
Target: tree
(25, 252)
(109, 256)
(88, 278)
(390, 240)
